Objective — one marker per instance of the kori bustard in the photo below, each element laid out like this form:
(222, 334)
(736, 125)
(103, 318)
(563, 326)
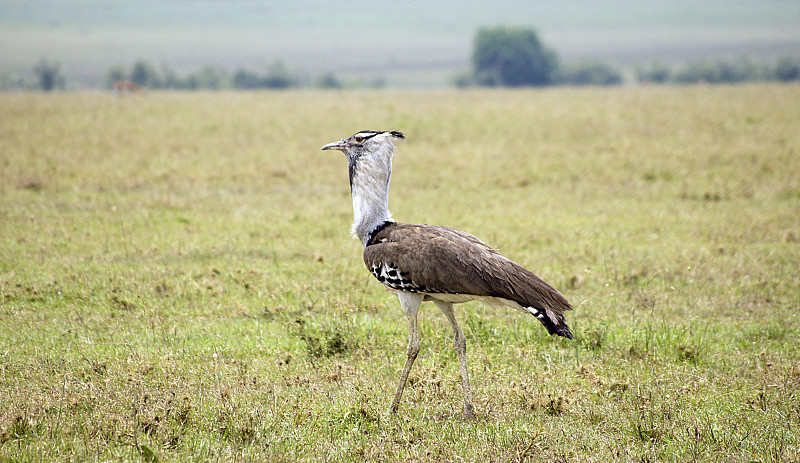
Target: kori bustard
(431, 263)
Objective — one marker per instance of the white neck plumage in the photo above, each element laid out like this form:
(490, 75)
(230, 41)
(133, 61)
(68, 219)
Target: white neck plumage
(369, 185)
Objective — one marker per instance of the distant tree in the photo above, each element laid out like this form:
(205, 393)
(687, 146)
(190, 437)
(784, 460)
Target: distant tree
(209, 77)
(463, 79)
(743, 69)
(787, 69)
(145, 75)
(655, 74)
(695, 72)
(328, 80)
(49, 75)
(245, 80)
(279, 76)
(512, 57)
(170, 79)
(13, 81)
(590, 73)
(724, 71)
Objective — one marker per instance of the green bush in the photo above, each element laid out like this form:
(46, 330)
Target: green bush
(656, 74)
(49, 75)
(787, 69)
(723, 71)
(590, 73)
(145, 75)
(512, 57)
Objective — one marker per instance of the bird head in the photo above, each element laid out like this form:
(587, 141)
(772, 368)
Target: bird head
(368, 152)
(365, 141)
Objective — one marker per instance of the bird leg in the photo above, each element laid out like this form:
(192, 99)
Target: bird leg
(410, 303)
(460, 344)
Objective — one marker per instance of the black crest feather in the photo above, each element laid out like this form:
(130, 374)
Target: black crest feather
(394, 133)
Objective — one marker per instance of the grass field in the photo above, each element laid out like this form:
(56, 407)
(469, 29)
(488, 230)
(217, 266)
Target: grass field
(177, 282)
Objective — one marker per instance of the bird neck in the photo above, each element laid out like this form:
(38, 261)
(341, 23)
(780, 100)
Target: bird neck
(369, 185)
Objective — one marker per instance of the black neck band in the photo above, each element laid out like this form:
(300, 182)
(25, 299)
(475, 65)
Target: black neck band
(377, 230)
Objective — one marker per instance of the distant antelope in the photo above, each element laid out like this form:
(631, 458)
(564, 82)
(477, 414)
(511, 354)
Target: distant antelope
(126, 86)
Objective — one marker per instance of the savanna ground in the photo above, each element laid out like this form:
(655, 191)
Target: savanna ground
(177, 282)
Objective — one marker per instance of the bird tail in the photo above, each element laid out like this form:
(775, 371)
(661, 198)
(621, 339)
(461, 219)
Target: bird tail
(553, 322)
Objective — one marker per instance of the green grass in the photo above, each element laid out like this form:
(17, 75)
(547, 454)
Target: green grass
(177, 282)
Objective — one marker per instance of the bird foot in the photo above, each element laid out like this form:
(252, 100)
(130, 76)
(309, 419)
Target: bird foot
(468, 411)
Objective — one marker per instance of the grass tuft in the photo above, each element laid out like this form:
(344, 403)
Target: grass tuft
(324, 340)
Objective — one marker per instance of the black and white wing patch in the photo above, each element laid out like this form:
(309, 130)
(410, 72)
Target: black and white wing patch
(394, 278)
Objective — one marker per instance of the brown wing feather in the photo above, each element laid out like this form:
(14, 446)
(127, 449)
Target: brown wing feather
(464, 265)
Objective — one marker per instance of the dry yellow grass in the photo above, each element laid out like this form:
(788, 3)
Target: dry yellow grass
(177, 281)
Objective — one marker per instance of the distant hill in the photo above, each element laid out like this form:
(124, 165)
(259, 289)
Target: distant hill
(411, 43)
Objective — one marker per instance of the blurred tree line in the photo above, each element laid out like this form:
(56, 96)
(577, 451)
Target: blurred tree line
(501, 57)
(47, 76)
(724, 71)
(513, 57)
(276, 75)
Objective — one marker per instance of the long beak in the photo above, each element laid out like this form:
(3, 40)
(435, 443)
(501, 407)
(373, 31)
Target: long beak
(337, 145)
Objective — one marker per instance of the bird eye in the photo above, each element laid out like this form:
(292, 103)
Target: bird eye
(359, 139)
